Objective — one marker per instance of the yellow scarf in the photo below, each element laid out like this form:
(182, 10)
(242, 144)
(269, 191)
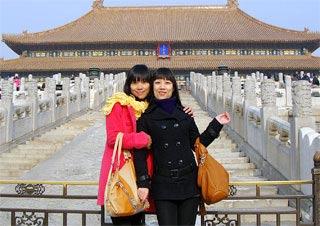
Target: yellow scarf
(138, 106)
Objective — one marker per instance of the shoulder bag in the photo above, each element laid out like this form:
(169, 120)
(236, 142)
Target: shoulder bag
(213, 179)
(121, 193)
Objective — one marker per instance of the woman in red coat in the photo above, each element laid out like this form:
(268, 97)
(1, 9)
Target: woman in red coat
(122, 110)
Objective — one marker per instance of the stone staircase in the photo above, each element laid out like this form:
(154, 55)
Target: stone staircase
(19, 160)
(240, 169)
(22, 158)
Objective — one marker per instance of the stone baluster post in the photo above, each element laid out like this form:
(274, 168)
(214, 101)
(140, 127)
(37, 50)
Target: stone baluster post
(219, 90)
(30, 77)
(288, 88)
(107, 82)
(50, 93)
(226, 94)
(209, 94)
(86, 88)
(66, 94)
(236, 97)
(192, 83)
(111, 84)
(214, 91)
(214, 83)
(22, 84)
(301, 109)
(316, 188)
(261, 78)
(257, 75)
(77, 91)
(102, 86)
(281, 80)
(209, 84)
(249, 100)
(269, 108)
(33, 99)
(204, 92)
(96, 93)
(198, 85)
(7, 103)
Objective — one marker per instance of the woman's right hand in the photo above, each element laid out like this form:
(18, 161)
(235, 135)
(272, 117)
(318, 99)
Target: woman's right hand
(143, 194)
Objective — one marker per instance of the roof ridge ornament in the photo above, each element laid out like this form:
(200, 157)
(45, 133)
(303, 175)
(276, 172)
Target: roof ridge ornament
(233, 3)
(97, 4)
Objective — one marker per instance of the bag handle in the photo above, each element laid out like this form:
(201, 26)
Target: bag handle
(117, 148)
(126, 153)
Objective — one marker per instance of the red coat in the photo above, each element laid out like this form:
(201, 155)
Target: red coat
(121, 119)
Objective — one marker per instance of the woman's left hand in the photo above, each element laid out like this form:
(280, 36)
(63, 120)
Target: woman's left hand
(187, 109)
(223, 118)
(143, 194)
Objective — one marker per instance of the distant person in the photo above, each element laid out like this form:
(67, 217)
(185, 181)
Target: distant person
(315, 80)
(295, 77)
(16, 81)
(305, 77)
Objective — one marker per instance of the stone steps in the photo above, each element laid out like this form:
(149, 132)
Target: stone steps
(230, 160)
(17, 161)
(240, 169)
(230, 154)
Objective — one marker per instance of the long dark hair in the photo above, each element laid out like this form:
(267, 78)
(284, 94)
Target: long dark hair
(167, 74)
(138, 73)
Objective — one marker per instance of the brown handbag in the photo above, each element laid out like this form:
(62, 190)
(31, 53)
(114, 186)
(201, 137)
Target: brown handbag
(121, 193)
(213, 179)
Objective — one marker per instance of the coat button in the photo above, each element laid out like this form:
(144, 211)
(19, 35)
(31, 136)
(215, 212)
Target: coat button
(175, 125)
(166, 145)
(178, 143)
(163, 126)
(180, 162)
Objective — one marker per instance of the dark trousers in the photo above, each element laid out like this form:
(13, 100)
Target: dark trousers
(177, 212)
(137, 219)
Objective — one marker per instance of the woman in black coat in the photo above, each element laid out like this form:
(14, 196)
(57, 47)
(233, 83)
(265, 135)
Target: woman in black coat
(173, 184)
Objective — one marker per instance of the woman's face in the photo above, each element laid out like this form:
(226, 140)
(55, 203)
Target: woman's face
(140, 89)
(162, 88)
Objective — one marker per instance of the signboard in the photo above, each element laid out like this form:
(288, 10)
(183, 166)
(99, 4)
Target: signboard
(164, 50)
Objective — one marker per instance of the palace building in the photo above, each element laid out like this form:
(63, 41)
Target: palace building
(183, 38)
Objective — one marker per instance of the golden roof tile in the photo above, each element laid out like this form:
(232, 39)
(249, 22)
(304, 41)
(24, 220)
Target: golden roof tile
(164, 24)
(177, 63)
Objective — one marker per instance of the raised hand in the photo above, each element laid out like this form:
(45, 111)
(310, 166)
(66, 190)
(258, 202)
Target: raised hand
(223, 118)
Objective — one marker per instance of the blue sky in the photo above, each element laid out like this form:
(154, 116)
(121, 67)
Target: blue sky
(39, 15)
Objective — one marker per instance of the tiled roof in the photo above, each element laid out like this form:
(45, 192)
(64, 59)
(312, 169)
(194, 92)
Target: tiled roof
(177, 63)
(164, 24)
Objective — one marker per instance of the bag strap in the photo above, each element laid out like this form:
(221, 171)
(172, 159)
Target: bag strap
(126, 153)
(202, 208)
(116, 148)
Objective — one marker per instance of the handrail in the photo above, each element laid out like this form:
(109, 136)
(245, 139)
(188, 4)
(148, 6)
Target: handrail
(213, 214)
(239, 183)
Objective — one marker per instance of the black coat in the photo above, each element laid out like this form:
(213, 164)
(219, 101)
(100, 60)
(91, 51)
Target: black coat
(173, 138)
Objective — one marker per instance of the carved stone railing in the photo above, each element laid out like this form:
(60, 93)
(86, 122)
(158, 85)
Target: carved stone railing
(268, 120)
(25, 112)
